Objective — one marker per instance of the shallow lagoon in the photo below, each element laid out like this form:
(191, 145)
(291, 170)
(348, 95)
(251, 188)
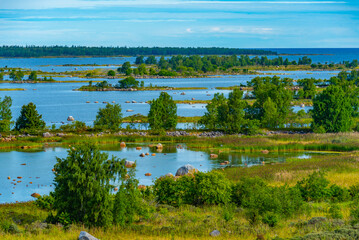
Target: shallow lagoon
(40, 163)
(57, 101)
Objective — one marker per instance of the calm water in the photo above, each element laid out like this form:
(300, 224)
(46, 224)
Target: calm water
(57, 101)
(329, 55)
(38, 168)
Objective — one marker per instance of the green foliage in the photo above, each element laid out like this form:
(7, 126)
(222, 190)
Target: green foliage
(335, 212)
(9, 227)
(314, 187)
(125, 66)
(5, 114)
(229, 115)
(151, 60)
(33, 76)
(354, 191)
(309, 88)
(270, 218)
(75, 126)
(333, 110)
(129, 82)
(83, 185)
(266, 203)
(29, 119)
(210, 118)
(338, 194)
(163, 113)
(103, 84)
(45, 202)
(128, 201)
(228, 211)
(16, 75)
(109, 117)
(273, 100)
(354, 210)
(199, 189)
(111, 73)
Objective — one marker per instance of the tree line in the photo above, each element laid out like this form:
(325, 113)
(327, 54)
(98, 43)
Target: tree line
(59, 51)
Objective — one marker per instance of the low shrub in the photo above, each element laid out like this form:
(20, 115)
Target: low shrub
(314, 187)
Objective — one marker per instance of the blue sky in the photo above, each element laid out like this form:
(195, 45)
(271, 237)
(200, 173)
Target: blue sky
(243, 24)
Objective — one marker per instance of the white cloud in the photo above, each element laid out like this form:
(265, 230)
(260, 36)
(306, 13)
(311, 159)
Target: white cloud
(232, 30)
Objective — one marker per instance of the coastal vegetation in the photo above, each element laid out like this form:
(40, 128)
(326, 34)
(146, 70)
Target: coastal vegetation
(80, 51)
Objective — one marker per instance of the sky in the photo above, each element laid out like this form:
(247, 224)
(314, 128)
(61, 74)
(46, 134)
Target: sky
(181, 23)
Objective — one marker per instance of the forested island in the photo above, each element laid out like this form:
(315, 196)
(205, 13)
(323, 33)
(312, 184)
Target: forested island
(82, 51)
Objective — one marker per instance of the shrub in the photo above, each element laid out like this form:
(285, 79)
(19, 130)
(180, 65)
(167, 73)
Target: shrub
(335, 212)
(314, 187)
(45, 202)
(198, 189)
(271, 219)
(212, 188)
(228, 211)
(338, 194)
(354, 191)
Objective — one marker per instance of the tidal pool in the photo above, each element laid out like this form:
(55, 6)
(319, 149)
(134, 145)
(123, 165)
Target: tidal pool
(39, 164)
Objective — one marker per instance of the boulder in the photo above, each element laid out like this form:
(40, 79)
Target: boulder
(142, 155)
(138, 148)
(153, 154)
(70, 118)
(148, 174)
(60, 134)
(122, 144)
(129, 164)
(213, 155)
(169, 175)
(265, 151)
(35, 195)
(129, 110)
(46, 135)
(186, 169)
(147, 154)
(215, 233)
(159, 146)
(86, 236)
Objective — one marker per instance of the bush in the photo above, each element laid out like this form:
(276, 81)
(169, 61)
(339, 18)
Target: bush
(211, 188)
(335, 212)
(271, 219)
(315, 187)
(45, 202)
(228, 211)
(198, 189)
(260, 200)
(354, 191)
(338, 194)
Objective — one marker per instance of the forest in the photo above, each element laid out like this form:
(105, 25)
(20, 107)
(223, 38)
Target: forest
(76, 51)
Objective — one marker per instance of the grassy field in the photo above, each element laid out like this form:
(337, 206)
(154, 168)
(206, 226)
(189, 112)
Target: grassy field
(23, 220)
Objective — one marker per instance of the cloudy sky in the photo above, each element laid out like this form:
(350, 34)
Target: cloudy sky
(222, 23)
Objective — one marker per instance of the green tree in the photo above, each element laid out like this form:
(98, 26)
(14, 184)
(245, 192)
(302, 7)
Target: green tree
(332, 110)
(16, 75)
(129, 82)
(5, 114)
(1, 76)
(210, 118)
(29, 119)
(142, 69)
(111, 73)
(124, 67)
(151, 60)
(309, 88)
(279, 93)
(33, 76)
(139, 60)
(83, 185)
(109, 117)
(128, 201)
(231, 116)
(270, 115)
(163, 113)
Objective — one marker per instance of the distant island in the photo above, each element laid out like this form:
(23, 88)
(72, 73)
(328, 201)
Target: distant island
(82, 51)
